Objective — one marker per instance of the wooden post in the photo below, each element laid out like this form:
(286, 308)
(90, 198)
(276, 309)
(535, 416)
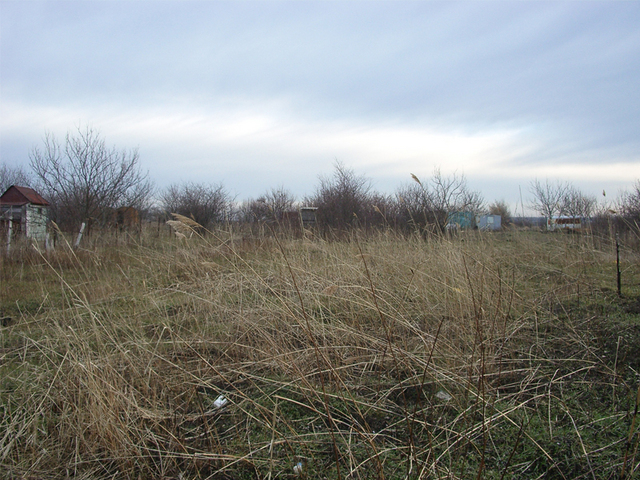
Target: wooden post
(75, 245)
(9, 236)
(618, 265)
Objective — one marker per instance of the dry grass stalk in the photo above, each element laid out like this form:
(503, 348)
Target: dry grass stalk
(437, 358)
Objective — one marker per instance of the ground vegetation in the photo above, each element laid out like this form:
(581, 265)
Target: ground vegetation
(378, 355)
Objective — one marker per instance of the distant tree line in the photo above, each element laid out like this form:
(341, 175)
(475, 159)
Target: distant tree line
(558, 199)
(344, 201)
(85, 181)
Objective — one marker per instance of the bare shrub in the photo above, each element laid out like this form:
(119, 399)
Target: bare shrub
(206, 204)
(342, 199)
(269, 207)
(500, 207)
(548, 198)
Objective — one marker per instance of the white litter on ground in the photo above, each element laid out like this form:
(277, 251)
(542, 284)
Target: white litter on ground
(442, 395)
(220, 402)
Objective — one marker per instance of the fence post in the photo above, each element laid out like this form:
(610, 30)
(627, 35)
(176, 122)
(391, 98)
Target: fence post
(75, 245)
(618, 265)
(9, 236)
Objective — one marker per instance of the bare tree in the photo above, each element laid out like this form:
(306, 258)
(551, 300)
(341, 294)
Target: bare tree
(84, 178)
(206, 204)
(471, 201)
(548, 198)
(577, 204)
(13, 176)
(414, 206)
(448, 193)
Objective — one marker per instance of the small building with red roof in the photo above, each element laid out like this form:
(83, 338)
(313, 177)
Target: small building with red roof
(23, 211)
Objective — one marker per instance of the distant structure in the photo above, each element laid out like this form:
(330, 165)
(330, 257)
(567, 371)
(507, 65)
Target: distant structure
(308, 216)
(126, 218)
(489, 222)
(565, 223)
(23, 212)
(460, 221)
(469, 221)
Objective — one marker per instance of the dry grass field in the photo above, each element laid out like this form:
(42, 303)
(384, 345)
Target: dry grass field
(494, 356)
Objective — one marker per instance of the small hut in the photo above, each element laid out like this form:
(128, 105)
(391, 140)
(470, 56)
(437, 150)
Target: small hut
(24, 212)
(489, 222)
(308, 216)
(460, 221)
(126, 218)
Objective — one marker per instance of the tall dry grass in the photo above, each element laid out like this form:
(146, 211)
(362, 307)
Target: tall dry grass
(372, 357)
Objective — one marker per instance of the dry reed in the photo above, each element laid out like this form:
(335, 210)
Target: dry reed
(376, 357)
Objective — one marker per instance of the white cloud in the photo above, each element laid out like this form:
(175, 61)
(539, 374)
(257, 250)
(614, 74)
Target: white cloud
(225, 140)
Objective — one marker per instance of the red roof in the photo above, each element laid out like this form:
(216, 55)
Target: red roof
(22, 195)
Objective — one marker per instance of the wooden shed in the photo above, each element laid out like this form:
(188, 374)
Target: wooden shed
(308, 216)
(126, 218)
(489, 222)
(23, 212)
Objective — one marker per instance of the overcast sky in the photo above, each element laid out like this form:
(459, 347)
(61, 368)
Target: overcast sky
(262, 94)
